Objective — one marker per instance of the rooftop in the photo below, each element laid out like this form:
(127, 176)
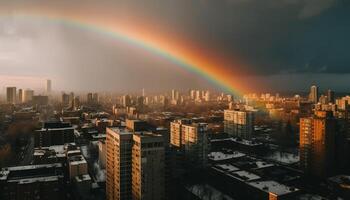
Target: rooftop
(121, 131)
(220, 156)
(262, 164)
(77, 160)
(240, 141)
(81, 178)
(273, 187)
(226, 168)
(244, 176)
(36, 179)
(30, 171)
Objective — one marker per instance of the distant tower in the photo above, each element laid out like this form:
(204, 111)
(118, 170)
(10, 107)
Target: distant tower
(11, 95)
(330, 96)
(143, 92)
(126, 100)
(95, 98)
(174, 94)
(48, 86)
(28, 95)
(89, 98)
(313, 96)
(20, 96)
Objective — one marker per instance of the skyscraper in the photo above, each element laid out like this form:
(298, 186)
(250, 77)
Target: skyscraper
(239, 123)
(193, 94)
(89, 98)
(95, 98)
(48, 86)
(207, 96)
(317, 144)
(20, 96)
(174, 95)
(126, 100)
(148, 167)
(11, 95)
(119, 151)
(65, 99)
(331, 96)
(313, 96)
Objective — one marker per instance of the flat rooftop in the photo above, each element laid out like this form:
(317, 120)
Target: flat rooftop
(77, 160)
(84, 177)
(36, 179)
(30, 171)
(244, 176)
(239, 141)
(273, 187)
(225, 168)
(98, 136)
(121, 130)
(55, 129)
(220, 156)
(263, 164)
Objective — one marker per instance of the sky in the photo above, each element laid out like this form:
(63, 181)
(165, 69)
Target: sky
(282, 45)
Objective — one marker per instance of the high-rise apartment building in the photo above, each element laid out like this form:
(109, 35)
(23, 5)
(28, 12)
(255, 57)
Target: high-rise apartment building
(95, 98)
(20, 96)
(207, 96)
(239, 123)
(118, 165)
(48, 86)
(11, 95)
(134, 165)
(89, 98)
(331, 96)
(192, 94)
(174, 94)
(148, 167)
(28, 95)
(65, 99)
(198, 95)
(126, 100)
(317, 144)
(313, 96)
(194, 141)
(176, 131)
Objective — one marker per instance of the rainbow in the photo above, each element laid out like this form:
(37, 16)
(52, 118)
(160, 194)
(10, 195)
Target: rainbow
(218, 75)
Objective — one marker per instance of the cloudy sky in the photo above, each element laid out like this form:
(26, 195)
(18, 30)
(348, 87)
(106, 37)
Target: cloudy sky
(285, 44)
